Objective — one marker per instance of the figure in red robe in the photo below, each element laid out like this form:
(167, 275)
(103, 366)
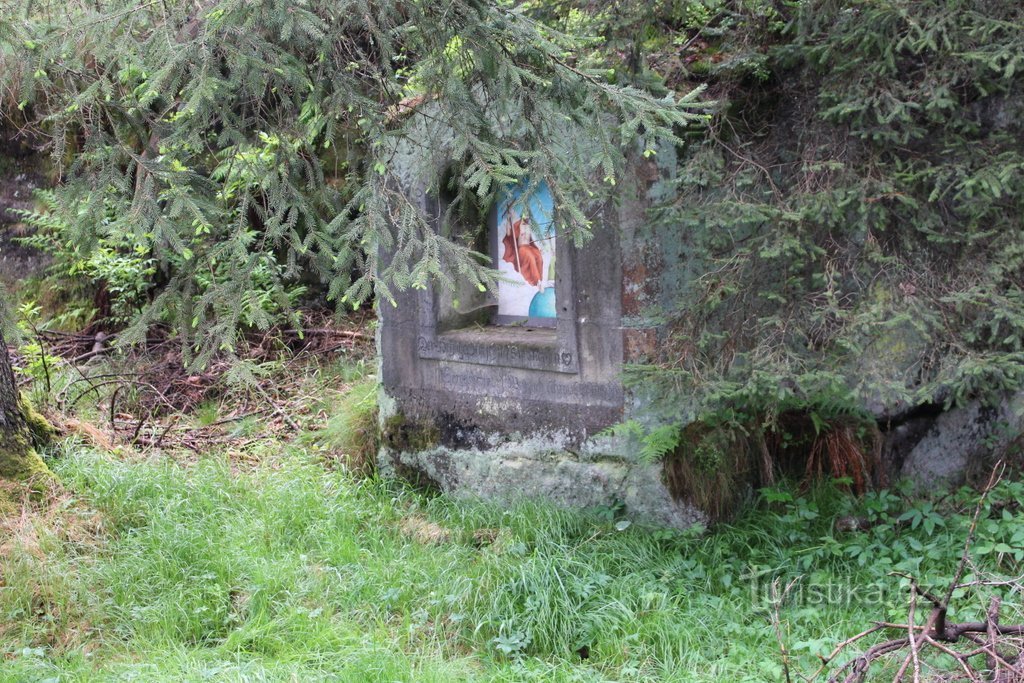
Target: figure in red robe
(521, 251)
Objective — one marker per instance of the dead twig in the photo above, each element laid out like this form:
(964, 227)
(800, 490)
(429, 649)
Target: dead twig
(277, 409)
(938, 634)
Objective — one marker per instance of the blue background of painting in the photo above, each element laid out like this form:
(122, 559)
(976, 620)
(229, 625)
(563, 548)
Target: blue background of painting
(542, 207)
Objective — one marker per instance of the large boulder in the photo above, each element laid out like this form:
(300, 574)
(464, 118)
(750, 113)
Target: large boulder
(963, 442)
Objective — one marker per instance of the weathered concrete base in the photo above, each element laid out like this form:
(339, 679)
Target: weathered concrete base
(540, 468)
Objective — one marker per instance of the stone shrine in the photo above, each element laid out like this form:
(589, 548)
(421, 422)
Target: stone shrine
(510, 393)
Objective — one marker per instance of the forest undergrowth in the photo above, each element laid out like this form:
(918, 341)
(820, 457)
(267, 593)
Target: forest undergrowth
(271, 554)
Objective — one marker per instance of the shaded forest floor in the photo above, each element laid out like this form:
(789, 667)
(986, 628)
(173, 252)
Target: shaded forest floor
(243, 550)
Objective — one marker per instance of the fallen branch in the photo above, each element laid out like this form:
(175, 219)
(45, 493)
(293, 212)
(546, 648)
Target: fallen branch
(355, 334)
(938, 634)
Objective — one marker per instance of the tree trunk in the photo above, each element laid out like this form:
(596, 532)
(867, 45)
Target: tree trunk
(18, 459)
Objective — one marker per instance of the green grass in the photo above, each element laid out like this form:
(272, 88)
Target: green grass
(349, 434)
(155, 571)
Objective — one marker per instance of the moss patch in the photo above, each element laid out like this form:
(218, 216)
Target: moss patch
(402, 435)
(40, 429)
(19, 461)
(408, 436)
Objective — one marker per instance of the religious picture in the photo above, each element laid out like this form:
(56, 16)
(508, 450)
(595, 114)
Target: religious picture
(526, 253)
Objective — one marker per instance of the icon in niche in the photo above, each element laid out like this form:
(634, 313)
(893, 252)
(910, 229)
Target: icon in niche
(527, 253)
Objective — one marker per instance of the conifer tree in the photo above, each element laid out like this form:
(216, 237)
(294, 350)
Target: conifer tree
(237, 142)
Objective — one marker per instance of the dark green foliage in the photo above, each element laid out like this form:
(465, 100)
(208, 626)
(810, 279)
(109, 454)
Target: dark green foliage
(712, 469)
(120, 273)
(235, 143)
(855, 216)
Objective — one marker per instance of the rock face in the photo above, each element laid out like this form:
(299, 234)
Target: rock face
(544, 468)
(963, 442)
